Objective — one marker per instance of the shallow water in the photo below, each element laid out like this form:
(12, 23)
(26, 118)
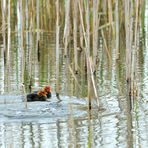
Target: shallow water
(68, 123)
(57, 124)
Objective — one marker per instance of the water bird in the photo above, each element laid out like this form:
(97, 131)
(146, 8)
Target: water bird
(41, 95)
(47, 89)
(37, 96)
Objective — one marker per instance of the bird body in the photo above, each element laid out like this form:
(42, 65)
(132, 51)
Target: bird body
(40, 95)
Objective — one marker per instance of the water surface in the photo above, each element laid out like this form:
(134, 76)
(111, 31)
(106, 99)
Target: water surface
(68, 123)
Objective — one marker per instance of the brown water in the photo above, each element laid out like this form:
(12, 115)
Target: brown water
(68, 123)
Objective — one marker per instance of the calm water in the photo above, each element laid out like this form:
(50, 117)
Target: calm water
(68, 124)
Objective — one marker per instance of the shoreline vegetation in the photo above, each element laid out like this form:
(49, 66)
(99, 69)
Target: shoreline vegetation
(79, 27)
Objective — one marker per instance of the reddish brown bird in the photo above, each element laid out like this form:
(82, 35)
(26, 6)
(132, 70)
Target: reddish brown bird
(37, 96)
(40, 95)
(48, 90)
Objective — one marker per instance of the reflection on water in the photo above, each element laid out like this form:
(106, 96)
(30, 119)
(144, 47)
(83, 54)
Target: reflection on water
(70, 133)
(68, 123)
(56, 125)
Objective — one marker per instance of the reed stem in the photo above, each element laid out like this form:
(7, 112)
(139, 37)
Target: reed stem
(57, 49)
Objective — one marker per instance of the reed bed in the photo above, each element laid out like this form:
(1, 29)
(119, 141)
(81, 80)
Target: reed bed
(83, 23)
